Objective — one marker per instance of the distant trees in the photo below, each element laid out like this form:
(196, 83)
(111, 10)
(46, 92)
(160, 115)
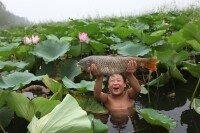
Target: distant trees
(9, 19)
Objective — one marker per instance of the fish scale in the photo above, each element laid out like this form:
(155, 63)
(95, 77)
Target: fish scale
(108, 65)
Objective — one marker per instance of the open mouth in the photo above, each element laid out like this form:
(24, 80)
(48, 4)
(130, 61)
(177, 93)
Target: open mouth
(115, 88)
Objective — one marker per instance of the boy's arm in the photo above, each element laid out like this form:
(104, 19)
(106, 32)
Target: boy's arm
(135, 86)
(98, 94)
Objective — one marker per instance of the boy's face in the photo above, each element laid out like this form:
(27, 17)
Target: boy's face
(116, 84)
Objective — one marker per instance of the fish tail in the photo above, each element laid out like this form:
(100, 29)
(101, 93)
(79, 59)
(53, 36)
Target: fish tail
(151, 64)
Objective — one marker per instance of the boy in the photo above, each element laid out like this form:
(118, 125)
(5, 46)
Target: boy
(119, 102)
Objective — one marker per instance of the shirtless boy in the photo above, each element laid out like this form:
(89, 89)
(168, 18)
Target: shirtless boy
(119, 101)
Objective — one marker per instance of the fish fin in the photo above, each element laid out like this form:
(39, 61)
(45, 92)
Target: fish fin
(151, 64)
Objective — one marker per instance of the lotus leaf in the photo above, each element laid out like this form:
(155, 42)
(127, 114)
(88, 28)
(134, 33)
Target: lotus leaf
(52, 37)
(17, 80)
(175, 73)
(171, 57)
(3, 96)
(98, 48)
(12, 65)
(54, 86)
(97, 125)
(197, 105)
(69, 69)
(44, 106)
(90, 104)
(50, 50)
(191, 31)
(6, 115)
(83, 86)
(154, 118)
(24, 107)
(65, 117)
(122, 32)
(130, 49)
(193, 69)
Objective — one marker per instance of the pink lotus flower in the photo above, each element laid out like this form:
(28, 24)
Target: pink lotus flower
(27, 40)
(35, 39)
(83, 37)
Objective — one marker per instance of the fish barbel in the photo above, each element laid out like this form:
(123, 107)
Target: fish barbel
(113, 64)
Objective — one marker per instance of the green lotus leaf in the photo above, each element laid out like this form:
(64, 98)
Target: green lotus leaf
(65, 117)
(171, 57)
(24, 107)
(130, 49)
(22, 52)
(47, 69)
(161, 80)
(72, 69)
(3, 96)
(52, 37)
(195, 45)
(177, 41)
(149, 39)
(122, 32)
(78, 49)
(89, 28)
(175, 73)
(109, 40)
(83, 86)
(119, 45)
(158, 33)
(6, 115)
(50, 50)
(197, 105)
(66, 39)
(17, 80)
(193, 69)
(98, 48)
(155, 118)
(44, 106)
(191, 31)
(12, 65)
(90, 104)
(7, 51)
(54, 86)
(97, 125)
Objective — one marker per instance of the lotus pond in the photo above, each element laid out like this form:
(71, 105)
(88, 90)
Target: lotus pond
(42, 59)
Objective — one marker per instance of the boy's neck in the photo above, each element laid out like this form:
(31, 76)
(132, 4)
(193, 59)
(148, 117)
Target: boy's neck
(116, 96)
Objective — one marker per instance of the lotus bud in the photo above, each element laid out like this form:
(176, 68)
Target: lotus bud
(27, 40)
(35, 39)
(83, 37)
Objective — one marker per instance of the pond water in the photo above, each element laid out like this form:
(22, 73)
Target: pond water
(173, 100)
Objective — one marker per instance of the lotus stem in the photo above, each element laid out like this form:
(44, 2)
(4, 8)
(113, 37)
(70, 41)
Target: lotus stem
(196, 88)
(2, 129)
(81, 50)
(148, 86)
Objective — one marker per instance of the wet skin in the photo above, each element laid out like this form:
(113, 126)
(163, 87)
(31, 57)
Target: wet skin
(118, 102)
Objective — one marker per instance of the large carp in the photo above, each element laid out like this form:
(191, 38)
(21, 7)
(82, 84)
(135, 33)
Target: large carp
(113, 64)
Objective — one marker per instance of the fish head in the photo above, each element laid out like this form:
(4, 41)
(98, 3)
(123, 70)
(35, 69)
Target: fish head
(84, 63)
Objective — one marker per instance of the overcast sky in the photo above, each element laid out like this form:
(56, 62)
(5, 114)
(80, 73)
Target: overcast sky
(59, 10)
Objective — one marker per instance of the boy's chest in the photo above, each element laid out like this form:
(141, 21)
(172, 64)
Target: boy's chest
(120, 103)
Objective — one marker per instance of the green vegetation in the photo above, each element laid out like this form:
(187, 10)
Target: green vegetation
(171, 37)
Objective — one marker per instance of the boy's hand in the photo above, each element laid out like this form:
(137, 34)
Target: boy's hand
(131, 67)
(94, 70)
